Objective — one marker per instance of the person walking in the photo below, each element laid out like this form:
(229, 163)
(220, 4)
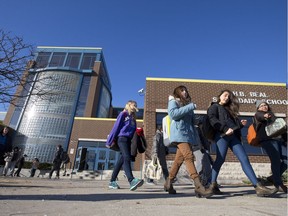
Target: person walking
(5, 144)
(34, 167)
(57, 162)
(182, 135)
(223, 117)
(20, 164)
(65, 162)
(275, 147)
(159, 150)
(122, 133)
(11, 159)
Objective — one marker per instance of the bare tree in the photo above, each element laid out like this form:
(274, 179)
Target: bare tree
(16, 59)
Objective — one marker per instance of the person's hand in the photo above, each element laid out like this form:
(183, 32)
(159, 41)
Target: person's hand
(229, 132)
(243, 122)
(267, 115)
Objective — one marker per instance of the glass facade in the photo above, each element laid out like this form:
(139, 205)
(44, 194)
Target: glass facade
(104, 103)
(57, 91)
(46, 123)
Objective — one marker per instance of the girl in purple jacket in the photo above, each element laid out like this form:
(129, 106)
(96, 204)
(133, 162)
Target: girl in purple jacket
(122, 134)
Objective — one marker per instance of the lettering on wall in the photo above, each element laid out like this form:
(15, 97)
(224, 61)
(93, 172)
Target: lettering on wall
(252, 97)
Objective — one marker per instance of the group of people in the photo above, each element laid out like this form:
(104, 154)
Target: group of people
(223, 117)
(12, 158)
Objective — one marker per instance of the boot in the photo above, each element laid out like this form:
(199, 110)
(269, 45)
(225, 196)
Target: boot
(200, 190)
(214, 187)
(263, 191)
(282, 188)
(168, 187)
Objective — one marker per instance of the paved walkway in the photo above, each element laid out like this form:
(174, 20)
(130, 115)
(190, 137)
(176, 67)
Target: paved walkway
(41, 196)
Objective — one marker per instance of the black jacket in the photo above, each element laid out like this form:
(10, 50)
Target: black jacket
(221, 120)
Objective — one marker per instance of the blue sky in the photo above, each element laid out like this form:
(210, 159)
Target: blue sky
(239, 40)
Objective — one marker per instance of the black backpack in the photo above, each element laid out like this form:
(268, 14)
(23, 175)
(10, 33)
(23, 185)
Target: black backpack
(207, 129)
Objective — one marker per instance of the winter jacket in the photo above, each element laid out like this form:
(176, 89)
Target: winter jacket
(125, 126)
(138, 143)
(261, 123)
(182, 122)
(221, 120)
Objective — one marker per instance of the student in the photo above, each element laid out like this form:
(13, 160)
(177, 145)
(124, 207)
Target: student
(5, 144)
(182, 135)
(57, 162)
(274, 147)
(122, 133)
(223, 116)
(160, 151)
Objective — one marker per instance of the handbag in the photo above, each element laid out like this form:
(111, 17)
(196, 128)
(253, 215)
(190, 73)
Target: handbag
(276, 128)
(154, 169)
(252, 135)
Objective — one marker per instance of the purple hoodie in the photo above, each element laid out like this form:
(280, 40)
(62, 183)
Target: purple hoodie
(124, 126)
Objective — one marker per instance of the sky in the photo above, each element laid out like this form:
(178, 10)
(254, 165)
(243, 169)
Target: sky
(238, 40)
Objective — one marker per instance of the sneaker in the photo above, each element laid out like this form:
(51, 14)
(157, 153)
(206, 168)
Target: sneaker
(113, 185)
(135, 183)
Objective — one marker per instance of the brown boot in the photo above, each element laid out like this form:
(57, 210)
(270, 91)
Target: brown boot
(200, 190)
(263, 191)
(169, 187)
(214, 187)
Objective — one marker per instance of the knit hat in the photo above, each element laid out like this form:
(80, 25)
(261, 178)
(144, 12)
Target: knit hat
(259, 102)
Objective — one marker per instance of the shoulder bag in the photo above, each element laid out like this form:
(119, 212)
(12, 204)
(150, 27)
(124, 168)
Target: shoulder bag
(276, 128)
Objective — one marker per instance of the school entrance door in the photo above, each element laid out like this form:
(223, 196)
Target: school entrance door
(95, 158)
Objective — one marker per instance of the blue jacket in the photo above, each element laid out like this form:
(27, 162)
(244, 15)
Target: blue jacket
(182, 122)
(124, 126)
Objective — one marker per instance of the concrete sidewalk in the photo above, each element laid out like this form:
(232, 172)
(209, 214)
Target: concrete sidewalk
(63, 197)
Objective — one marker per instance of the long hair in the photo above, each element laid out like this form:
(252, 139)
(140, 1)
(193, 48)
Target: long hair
(232, 105)
(129, 110)
(177, 94)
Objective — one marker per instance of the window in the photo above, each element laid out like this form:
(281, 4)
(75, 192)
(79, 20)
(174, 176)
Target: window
(88, 61)
(43, 59)
(73, 60)
(57, 59)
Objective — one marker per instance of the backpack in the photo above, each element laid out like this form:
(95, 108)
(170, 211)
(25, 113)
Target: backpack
(65, 157)
(252, 135)
(207, 129)
(166, 123)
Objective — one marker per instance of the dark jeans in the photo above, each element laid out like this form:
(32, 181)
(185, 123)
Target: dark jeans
(56, 167)
(232, 142)
(124, 160)
(277, 154)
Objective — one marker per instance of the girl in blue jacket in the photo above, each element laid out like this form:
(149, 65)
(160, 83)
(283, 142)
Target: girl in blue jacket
(183, 134)
(122, 133)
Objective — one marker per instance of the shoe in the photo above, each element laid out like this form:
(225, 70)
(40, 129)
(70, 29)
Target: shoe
(263, 191)
(200, 190)
(214, 187)
(135, 183)
(113, 185)
(282, 188)
(168, 186)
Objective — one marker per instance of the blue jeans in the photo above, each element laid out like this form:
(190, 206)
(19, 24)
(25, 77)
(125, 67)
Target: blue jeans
(124, 160)
(222, 144)
(277, 154)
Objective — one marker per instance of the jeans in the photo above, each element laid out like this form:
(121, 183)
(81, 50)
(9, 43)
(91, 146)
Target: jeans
(222, 144)
(124, 160)
(277, 154)
(184, 153)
